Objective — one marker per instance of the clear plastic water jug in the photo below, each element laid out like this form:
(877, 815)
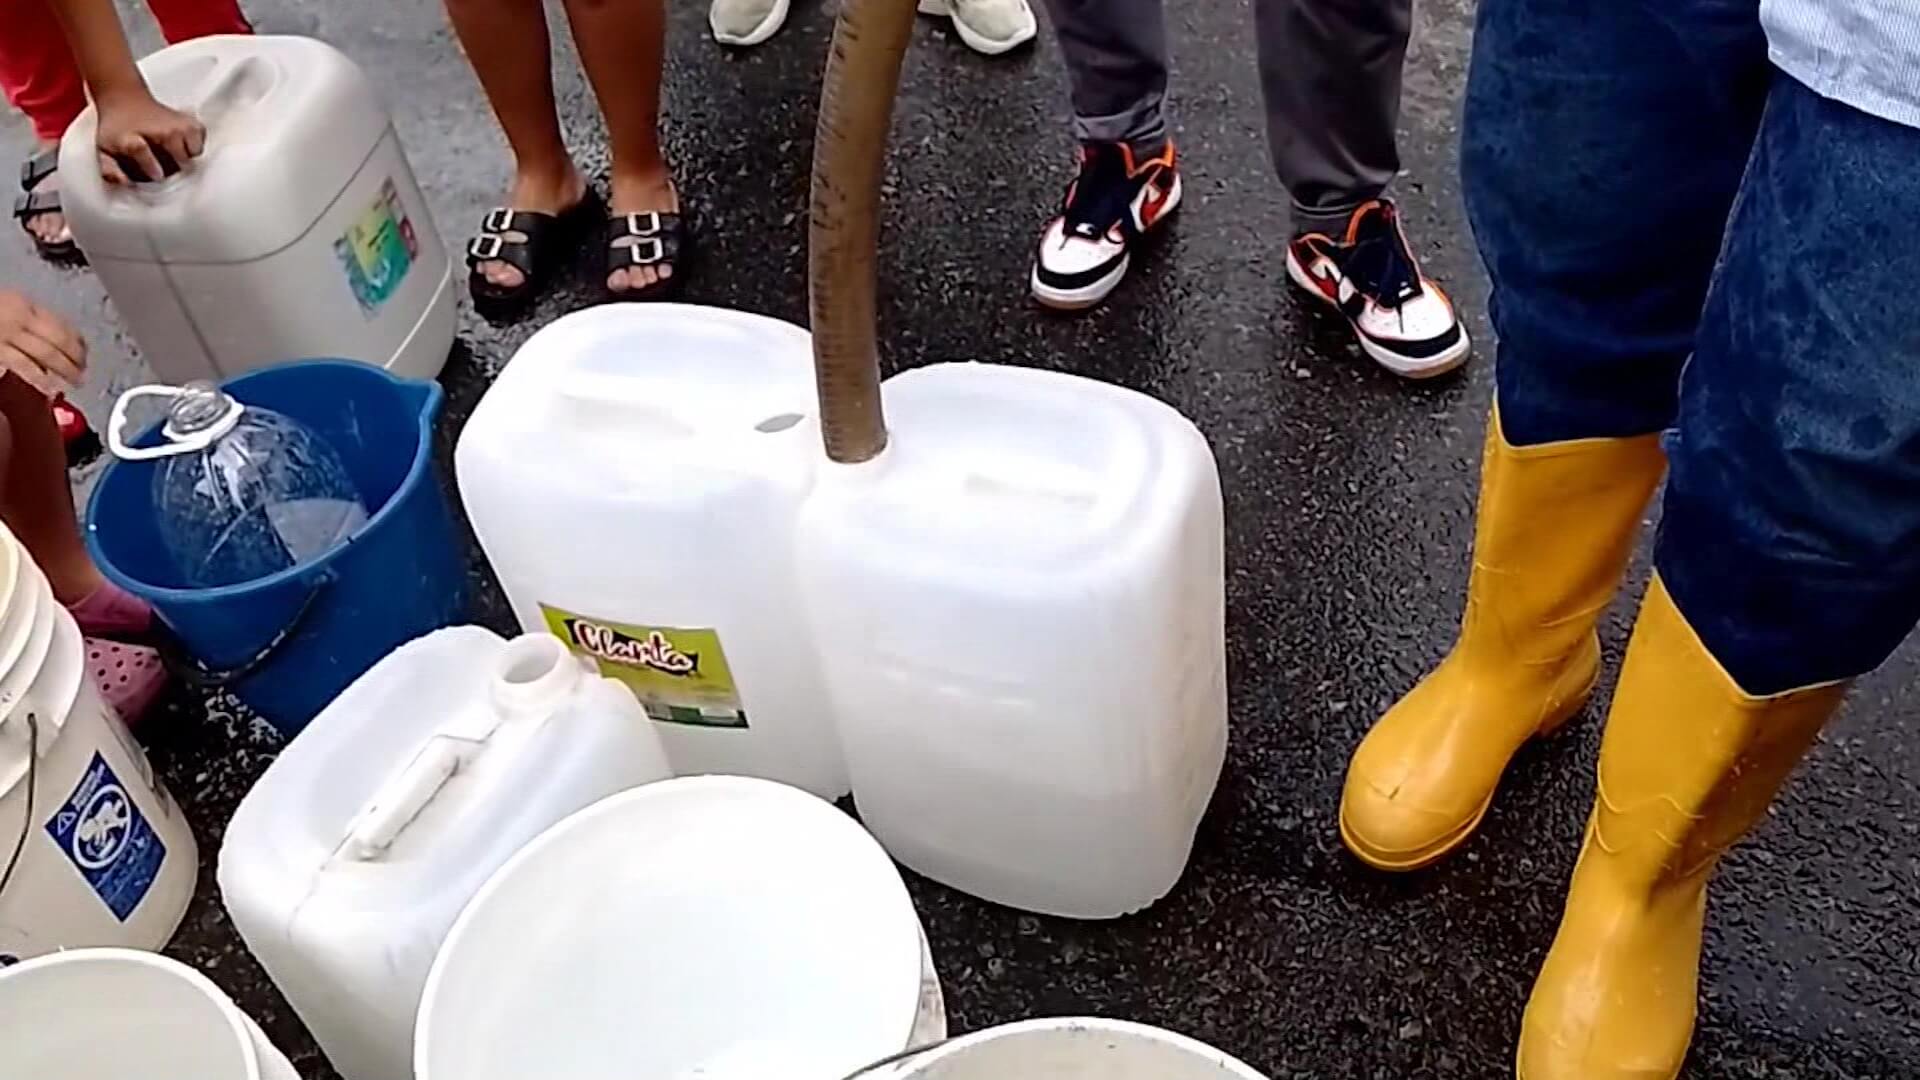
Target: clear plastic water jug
(240, 492)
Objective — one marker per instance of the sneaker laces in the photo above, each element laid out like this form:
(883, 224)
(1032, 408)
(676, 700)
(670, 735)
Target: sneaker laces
(1100, 195)
(1378, 262)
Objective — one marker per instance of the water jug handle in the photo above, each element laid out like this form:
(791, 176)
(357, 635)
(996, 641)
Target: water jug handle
(401, 799)
(200, 440)
(236, 86)
(631, 394)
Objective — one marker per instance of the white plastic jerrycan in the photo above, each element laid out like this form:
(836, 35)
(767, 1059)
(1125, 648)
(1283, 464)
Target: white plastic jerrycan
(299, 233)
(1020, 608)
(348, 862)
(634, 476)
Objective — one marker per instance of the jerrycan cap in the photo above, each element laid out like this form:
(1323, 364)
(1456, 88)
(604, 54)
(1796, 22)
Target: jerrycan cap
(200, 415)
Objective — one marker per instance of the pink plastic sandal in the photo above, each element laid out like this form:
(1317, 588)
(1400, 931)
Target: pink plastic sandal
(130, 677)
(110, 611)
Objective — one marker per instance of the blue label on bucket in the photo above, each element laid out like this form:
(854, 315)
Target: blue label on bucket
(108, 840)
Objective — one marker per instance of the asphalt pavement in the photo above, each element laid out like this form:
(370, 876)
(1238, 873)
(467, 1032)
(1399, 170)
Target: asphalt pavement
(1349, 518)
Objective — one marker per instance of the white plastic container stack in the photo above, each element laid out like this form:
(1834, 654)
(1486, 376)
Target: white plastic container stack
(93, 851)
(634, 477)
(113, 1014)
(706, 928)
(299, 233)
(347, 863)
(1020, 609)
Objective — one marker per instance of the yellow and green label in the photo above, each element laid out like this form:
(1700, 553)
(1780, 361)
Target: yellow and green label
(679, 674)
(377, 250)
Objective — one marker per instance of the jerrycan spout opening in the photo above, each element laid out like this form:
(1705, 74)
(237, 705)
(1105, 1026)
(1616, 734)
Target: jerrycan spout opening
(535, 673)
(856, 109)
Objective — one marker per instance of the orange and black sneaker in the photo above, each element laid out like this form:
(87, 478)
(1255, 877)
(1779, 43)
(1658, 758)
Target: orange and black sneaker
(1401, 318)
(1119, 197)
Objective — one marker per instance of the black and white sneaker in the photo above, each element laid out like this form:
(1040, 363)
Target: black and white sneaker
(1402, 318)
(1114, 202)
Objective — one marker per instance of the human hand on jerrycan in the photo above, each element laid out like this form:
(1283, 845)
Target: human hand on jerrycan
(39, 346)
(141, 139)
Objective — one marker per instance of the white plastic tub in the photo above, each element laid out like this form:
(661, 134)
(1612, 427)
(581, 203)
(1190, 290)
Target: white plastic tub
(723, 928)
(120, 1014)
(1068, 1049)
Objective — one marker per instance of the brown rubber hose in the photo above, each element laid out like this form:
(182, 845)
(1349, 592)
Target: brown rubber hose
(849, 155)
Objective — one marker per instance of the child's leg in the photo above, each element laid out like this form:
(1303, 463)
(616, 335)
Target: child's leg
(35, 501)
(184, 20)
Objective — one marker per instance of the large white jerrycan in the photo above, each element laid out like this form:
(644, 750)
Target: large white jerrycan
(93, 851)
(633, 477)
(1020, 609)
(351, 857)
(112, 1014)
(300, 232)
(716, 927)
(1066, 1049)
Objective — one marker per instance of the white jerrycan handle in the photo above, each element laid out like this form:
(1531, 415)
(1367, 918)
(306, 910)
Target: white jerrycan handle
(402, 797)
(408, 791)
(233, 86)
(515, 693)
(230, 86)
(175, 444)
(633, 396)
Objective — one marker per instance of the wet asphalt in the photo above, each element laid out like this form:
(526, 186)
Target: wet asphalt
(1349, 514)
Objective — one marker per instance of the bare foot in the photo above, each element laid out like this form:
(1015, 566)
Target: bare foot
(49, 228)
(637, 193)
(540, 193)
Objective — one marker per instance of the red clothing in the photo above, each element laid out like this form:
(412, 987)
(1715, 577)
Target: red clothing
(38, 72)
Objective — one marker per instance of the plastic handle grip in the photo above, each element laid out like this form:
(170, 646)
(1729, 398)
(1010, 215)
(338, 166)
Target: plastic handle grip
(168, 166)
(199, 440)
(401, 799)
(637, 398)
(232, 88)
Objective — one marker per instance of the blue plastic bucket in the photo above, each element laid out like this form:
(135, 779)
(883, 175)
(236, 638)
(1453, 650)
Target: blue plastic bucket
(287, 643)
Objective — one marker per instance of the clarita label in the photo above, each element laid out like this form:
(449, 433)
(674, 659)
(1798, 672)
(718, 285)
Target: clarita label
(680, 674)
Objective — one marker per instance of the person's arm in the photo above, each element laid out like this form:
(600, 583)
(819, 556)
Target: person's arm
(132, 123)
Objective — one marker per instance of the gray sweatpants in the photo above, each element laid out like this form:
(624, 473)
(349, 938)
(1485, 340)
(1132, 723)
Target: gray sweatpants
(1330, 70)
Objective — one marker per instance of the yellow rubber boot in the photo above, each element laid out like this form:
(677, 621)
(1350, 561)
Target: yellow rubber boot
(1688, 765)
(1556, 525)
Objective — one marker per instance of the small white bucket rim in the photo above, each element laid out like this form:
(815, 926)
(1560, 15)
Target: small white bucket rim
(907, 1062)
(236, 1021)
(560, 832)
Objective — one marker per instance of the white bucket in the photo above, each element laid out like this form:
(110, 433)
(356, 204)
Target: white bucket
(99, 853)
(716, 927)
(1074, 1048)
(26, 635)
(112, 1014)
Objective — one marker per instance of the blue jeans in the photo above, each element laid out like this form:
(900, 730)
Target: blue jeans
(1683, 239)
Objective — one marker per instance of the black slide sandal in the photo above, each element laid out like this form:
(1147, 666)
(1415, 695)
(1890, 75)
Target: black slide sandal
(654, 238)
(547, 242)
(35, 203)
